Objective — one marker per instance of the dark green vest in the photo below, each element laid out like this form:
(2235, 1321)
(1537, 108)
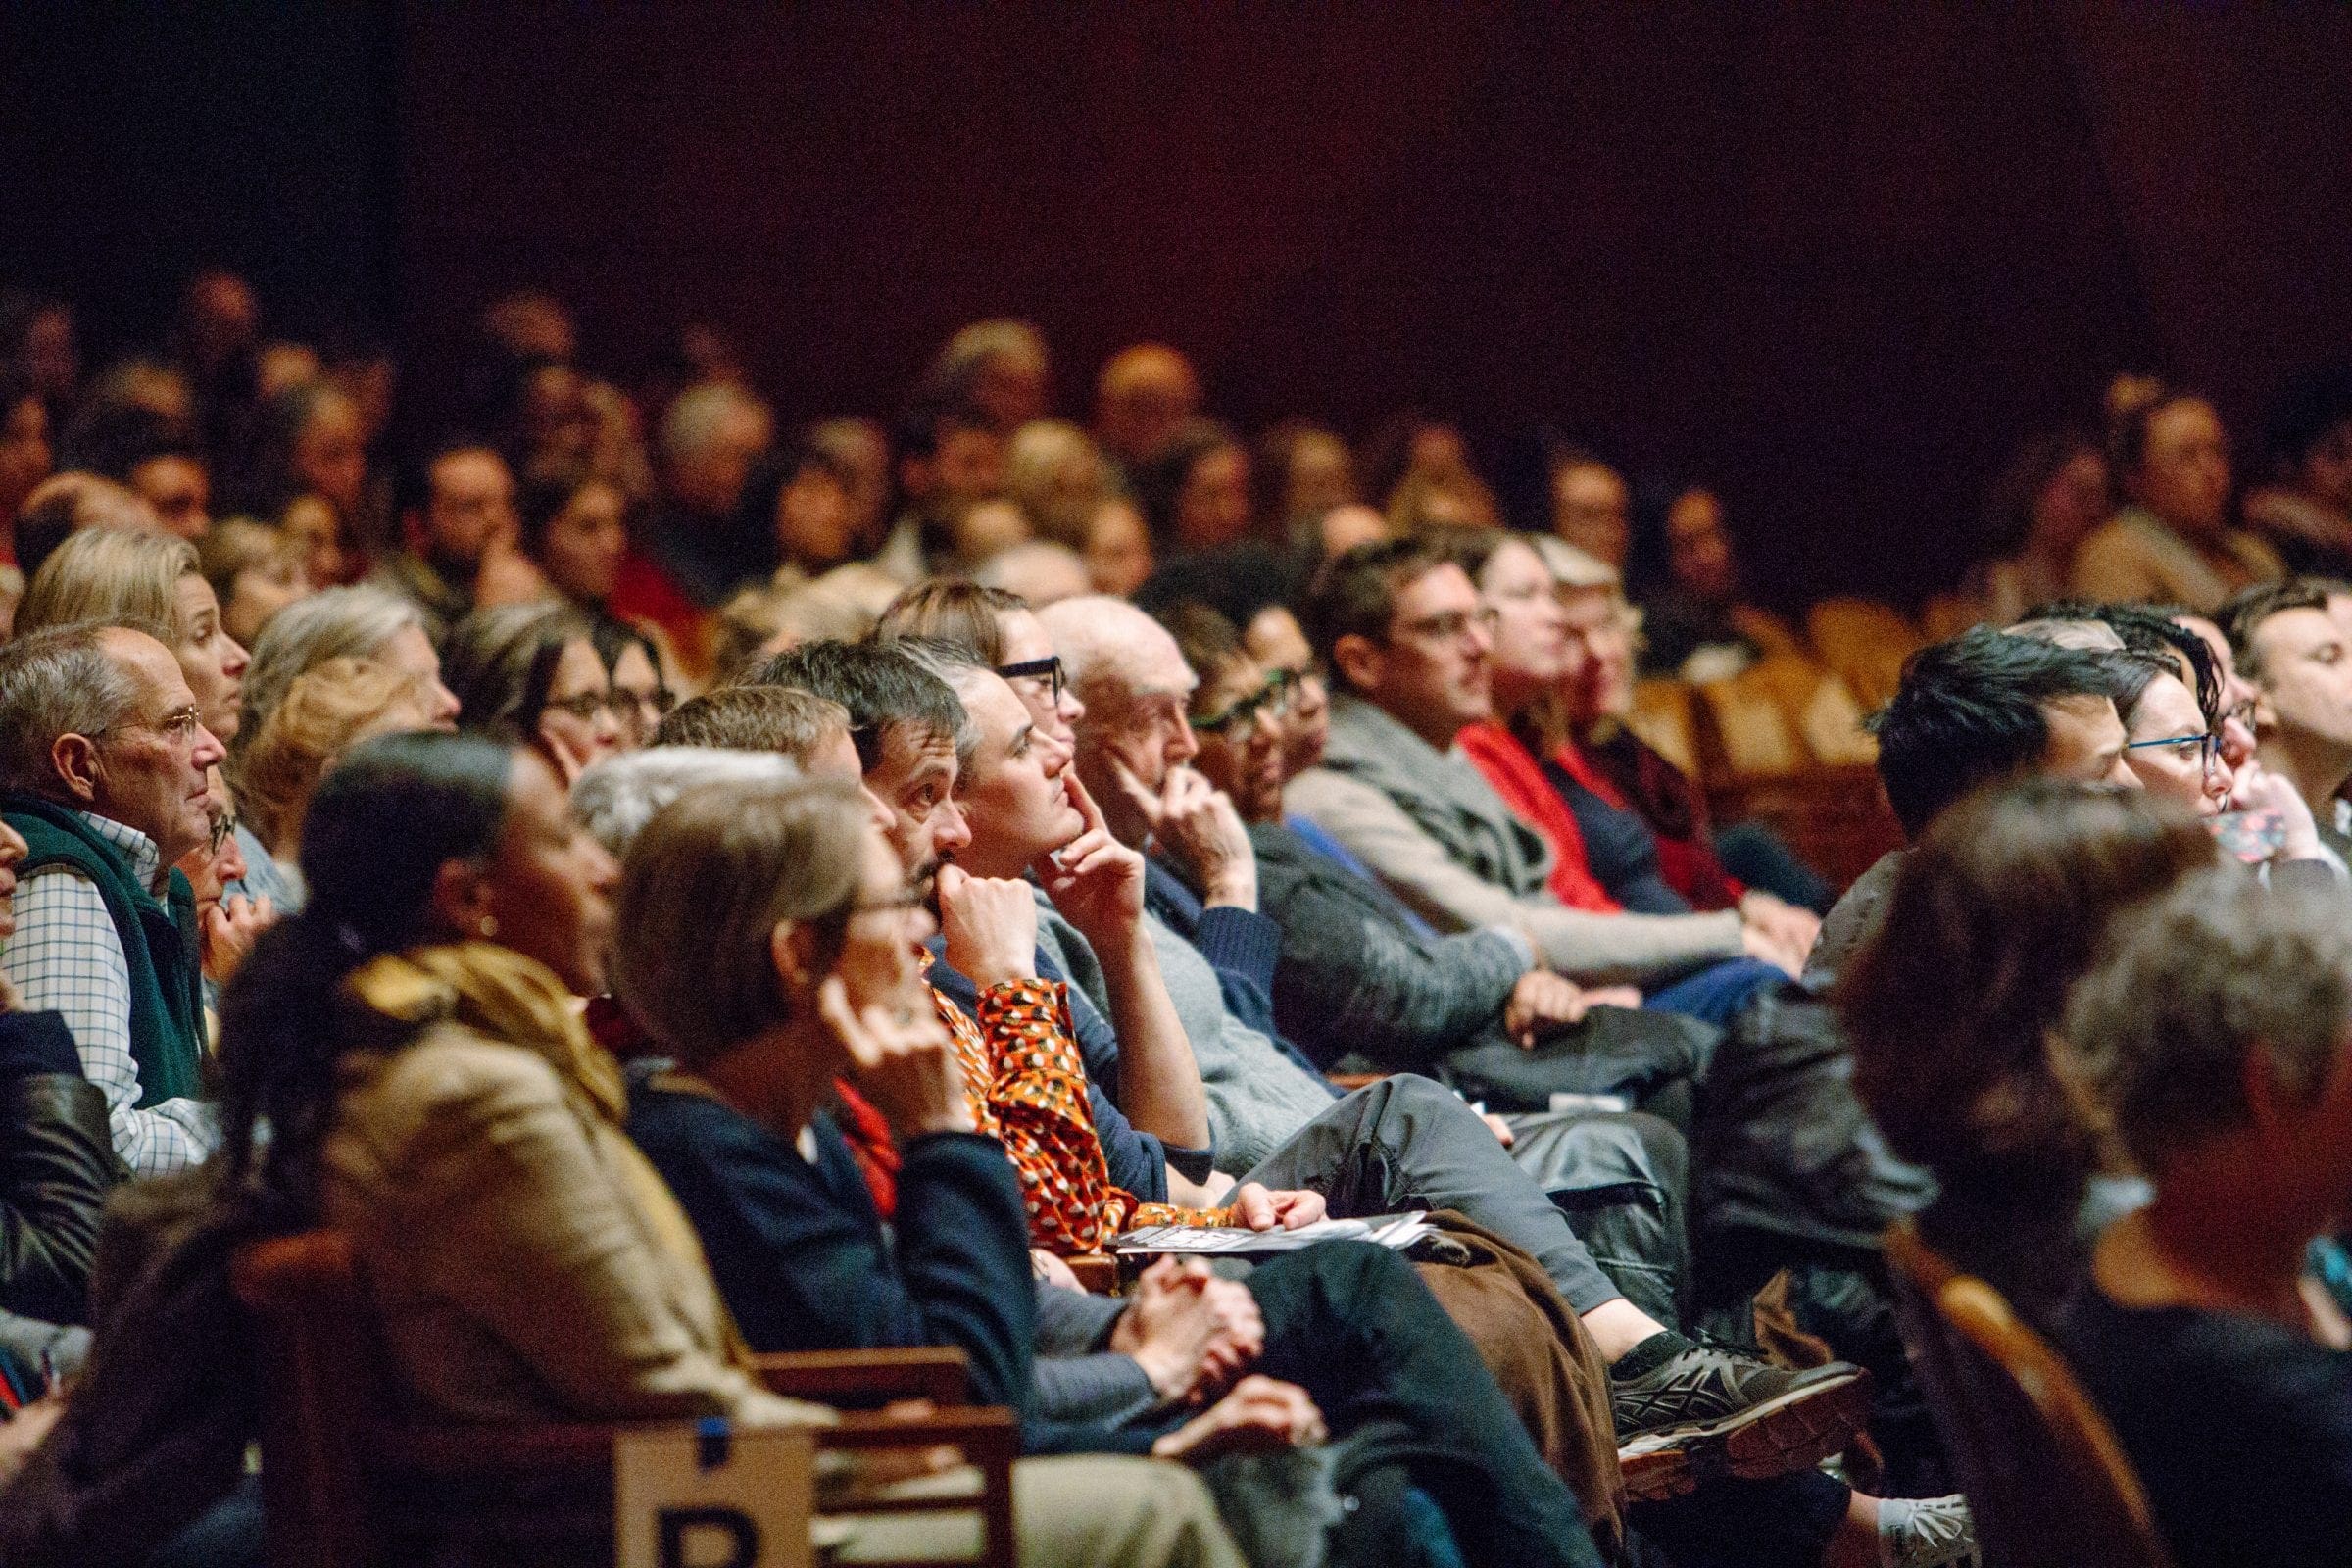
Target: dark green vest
(159, 942)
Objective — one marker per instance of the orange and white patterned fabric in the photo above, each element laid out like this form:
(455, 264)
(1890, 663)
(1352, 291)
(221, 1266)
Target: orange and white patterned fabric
(1026, 1084)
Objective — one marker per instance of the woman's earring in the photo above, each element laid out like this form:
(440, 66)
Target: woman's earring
(489, 927)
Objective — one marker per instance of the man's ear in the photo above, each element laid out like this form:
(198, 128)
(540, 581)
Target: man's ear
(792, 949)
(1359, 660)
(461, 897)
(2266, 718)
(75, 760)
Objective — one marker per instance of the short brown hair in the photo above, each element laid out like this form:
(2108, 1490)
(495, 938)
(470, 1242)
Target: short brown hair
(783, 720)
(1355, 592)
(704, 888)
(1951, 1005)
(950, 611)
(2243, 616)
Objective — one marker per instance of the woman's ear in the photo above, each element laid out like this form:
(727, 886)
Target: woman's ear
(462, 899)
(792, 948)
(1357, 659)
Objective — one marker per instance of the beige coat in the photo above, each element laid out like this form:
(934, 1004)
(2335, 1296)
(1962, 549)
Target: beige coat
(2135, 558)
(502, 1223)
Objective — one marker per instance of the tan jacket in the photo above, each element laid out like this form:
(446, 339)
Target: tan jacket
(515, 1245)
(2135, 558)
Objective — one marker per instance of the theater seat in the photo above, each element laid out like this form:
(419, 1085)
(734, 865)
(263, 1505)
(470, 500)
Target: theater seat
(2049, 1485)
(347, 1483)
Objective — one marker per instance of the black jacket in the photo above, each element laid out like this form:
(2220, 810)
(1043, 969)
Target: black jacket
(57, 1164)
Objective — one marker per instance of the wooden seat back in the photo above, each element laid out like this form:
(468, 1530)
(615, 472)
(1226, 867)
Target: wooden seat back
(348, 1483)
(2044, 1474)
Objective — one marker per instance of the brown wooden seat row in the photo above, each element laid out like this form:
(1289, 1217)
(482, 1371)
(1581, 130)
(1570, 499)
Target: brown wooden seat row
(347, 1486)
(2044, 1474)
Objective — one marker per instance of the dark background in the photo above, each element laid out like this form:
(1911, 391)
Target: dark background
(1833, 258)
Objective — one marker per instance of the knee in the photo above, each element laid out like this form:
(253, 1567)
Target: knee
(1148, 1512)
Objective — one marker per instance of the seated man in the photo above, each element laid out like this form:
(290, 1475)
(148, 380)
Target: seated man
(2299, 659)
(2215, 1037)
(1988, 704)
(759, 1022)
(103, 764)
(1404, 636)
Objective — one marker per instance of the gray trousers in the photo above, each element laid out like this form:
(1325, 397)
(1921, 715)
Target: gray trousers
(1407, 1142)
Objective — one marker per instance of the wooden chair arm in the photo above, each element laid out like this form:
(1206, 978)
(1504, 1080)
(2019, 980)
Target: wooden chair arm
(858, 1379)
(1098, 1272)
(416, 1451)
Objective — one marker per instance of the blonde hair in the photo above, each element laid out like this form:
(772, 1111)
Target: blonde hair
(115, 576)
(325, 713)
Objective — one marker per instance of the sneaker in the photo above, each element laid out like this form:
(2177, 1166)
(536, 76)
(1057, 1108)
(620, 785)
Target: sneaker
(1928, 1533)
(1706, 1411)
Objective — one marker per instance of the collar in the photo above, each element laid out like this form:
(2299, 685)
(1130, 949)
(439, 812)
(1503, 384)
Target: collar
(145, 857)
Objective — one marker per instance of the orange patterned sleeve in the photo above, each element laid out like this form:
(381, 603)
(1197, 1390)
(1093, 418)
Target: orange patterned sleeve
(1026, 1084)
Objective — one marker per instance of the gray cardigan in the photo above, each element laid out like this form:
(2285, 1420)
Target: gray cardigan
(1442, 841)
(1258, 1096)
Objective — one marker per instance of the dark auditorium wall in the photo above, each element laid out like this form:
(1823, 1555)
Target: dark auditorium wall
(1832, 258)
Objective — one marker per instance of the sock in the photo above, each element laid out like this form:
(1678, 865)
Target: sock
(1650, 1354)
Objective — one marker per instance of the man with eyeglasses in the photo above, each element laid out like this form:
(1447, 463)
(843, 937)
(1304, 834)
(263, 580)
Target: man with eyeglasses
(103, 758)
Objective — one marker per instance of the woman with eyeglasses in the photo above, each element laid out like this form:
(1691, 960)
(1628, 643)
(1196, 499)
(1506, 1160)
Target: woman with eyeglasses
(1002, 629)
(530, 674)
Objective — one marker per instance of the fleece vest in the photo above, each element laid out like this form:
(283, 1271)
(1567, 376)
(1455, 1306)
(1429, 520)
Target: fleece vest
(159, 944)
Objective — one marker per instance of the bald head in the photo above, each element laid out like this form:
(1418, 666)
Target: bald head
(1145, 395)
(1136, 688)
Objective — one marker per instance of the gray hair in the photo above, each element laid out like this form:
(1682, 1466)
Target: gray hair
(959, 667)
(335, 624)
(2192, 983)
(1102, 639)
(60, 681)
(696, 415)
(619, 796)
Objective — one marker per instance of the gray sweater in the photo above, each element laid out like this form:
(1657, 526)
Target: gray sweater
(1258, 1096)
(1441, 839)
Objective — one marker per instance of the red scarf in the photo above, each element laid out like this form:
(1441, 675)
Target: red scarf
(1515, 775)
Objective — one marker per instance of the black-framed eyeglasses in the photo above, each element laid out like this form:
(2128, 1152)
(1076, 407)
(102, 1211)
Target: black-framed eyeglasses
(2204, 749)
(1047, 669)
(224, 823)
(1275, 696)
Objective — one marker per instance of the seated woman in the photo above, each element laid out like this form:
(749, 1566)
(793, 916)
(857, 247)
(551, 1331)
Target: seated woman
(325, 711)
(530, 675)
(1642, 815)
(1993, 917)
(1533, 655)
(775, 946)
(403, 1060)
(2214, 1035)
(2053, 495)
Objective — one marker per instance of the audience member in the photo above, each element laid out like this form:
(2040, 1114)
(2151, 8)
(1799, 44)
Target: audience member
(1592, 508)
(1197, 494)
(2051, 497)
(256, 571)
(799, 500)
(860, 450)
(464, 518)
(142, 451)
(1059, 477)
(1146, 394)
(1117, 550)
(59, 1160)
(324, 713)
(2298, 659)
(1303, 470)
(69, 502)
(2173, 541)
(1410, 647)
(402, 1060)
(530, 675)
(689, 553)
(1987, 705)
(2305, 512)
(104, 770)
(308, 453)
(1000, 367)
(951, 459)
(804, 1259)
(358, 622)
(2214, 1034)
(1952, 1004)
(573, 528)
